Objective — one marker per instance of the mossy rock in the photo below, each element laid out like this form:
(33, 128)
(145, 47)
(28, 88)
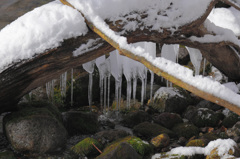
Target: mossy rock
(80, 122)
(161, 141)
(196, 143)
(214, 154)
(186, 130)
(120, 151)
(7, 155)
(141, 147)
(86, 147)
(149, 130)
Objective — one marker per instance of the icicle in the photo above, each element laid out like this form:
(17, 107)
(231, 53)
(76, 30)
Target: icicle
(101, 91)
(48, 89)
(52, 90)
(129, 89)
(116, 93)
(120, 93)
(145, 84)
(196, 58)
(109, 76)
(142, 92)
(72, 87)
(204, 66)
(151, 88)
(105, 93)
(134, 89)
(30, 96)
(90, 83)
(63, 84)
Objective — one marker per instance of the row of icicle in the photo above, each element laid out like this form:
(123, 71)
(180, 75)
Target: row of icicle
(117, 65)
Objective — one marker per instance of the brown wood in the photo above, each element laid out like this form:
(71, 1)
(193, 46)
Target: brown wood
(21, 78)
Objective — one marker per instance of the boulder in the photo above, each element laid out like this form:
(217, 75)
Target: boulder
(149, 130)
(123, 150)
(202, 117)
(105, 123)
(108, 136)
(7, 155)
(160, 141)
(36, 130)
(171, 100)
(86, 147)
(235, 130)
(209, 105)
(197, 143)
(186, 130)
(230, 119)
(134, 118)
(80, 122)
(168, 120)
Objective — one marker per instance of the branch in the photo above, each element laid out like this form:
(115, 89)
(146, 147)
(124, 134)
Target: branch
(151, 64)
(231, 3)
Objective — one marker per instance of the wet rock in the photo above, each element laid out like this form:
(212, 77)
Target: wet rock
(134, 118)
(160, 141)
(123, 150)
(108, 136)
(171, 100)
(105, 123)
(209, 105)
(202, 117)
(149, 130)
(36, 130)
(186, 130)
(168, 120)
(230, 119)
(80, 122)
(86, 147)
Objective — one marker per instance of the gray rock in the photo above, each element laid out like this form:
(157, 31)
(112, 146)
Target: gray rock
(168, 120)
(35, 130)
(186, 130)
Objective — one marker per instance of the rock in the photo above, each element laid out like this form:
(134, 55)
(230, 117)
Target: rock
(105, 123)
(86, 147)
(123, 150)
(209, 105)
(235, 130)
(196, 143)
(149, 130)
(230, 119)
(165, 155)
(7, 155)
(134, 118)
(214, 154)
(108, 136)
(141, 147)
(160, 141)
(80, 122)
(202, 117)
(171, 100)
(186, 130)
(36, 130)
(168, 120)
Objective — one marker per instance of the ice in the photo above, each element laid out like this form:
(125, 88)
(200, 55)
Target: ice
(196, 59)
(204, 66)
(89, 67)
(99, 63)
(72, 87)
(63, 84)
(50, 89)
(232, 86)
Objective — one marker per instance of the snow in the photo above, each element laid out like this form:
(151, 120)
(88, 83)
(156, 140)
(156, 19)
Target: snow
(43, 28)
(167, 92)
(232, 86)
(228, 18)
(196, 59)
(223, 146)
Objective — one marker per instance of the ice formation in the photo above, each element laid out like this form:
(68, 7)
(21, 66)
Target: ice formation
(196, 59)
(50, 89)
(63, 84)
(72, 87)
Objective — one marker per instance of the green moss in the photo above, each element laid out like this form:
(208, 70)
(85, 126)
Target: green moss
(7, 155)
(185, 130)
(196, 142)
(143, 148)
(86, 148)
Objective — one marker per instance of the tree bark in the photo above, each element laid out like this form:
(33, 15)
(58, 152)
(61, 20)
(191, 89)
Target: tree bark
(23, 77)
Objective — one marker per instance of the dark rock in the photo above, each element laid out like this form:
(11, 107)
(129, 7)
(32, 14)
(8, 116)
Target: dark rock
(80, 122)
(108, 136)
(235, 130)
(186, 130)
(134, 118)
(168, 120)
(230, 119)
(202, 117)
(105, 123)
(171, 100)
(123, 150)
(160, 141)
(86, 147)
(7, 155)
(35, 130)
(149, 130)
(209, 105)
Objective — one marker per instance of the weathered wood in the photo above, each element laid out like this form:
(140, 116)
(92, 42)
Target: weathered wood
(22, 77)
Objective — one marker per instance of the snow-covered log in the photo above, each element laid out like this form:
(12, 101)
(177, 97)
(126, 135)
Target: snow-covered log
(21, 75)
